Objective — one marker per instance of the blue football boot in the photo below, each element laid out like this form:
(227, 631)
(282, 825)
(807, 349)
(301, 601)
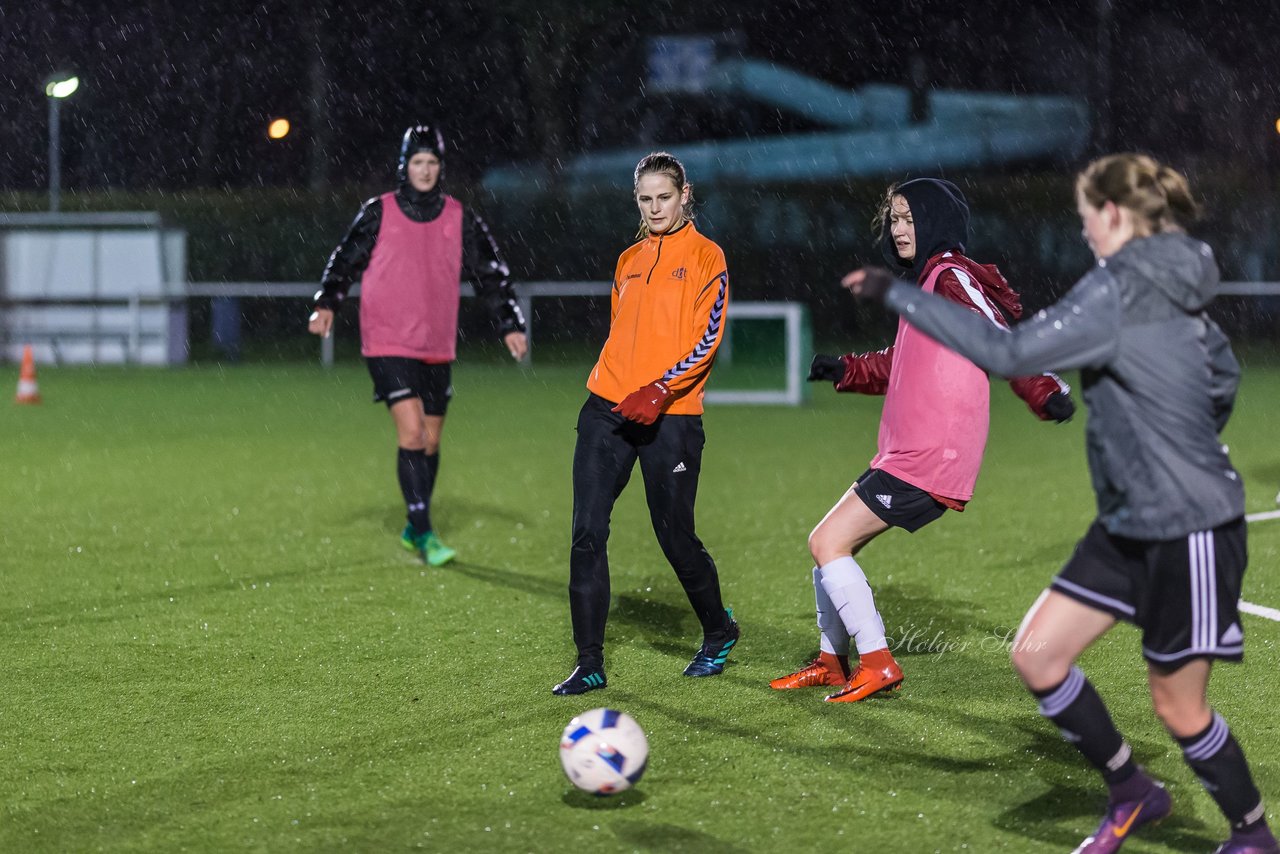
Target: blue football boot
(581, 680)
(711, 657)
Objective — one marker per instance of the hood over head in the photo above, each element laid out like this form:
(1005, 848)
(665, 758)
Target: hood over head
(423, 137)
(941, 217)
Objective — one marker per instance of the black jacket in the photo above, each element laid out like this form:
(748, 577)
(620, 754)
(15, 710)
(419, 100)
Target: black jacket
(482, 264)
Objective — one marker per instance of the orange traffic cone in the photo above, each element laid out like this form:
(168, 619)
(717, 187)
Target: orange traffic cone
(28, 391)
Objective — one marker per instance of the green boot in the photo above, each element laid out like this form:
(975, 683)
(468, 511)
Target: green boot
(436, 552)
(427, 546)
(412, 541)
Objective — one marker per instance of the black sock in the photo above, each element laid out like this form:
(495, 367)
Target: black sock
(416, 480)
(1216, 758)
(1080, 715)
(433, 468)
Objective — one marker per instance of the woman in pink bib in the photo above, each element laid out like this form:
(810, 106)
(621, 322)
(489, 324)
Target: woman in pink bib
(409, 250)
(933, 431)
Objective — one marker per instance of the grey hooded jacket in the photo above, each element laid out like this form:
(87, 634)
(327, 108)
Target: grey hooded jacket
(1159, 379)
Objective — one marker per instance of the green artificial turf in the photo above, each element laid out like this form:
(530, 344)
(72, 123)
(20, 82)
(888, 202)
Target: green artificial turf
(214, 642)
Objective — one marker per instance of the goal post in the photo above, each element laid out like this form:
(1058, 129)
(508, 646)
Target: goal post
(740, 354)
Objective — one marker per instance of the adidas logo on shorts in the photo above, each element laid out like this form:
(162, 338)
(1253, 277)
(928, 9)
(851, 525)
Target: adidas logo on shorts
(886, 500)
(679, 467)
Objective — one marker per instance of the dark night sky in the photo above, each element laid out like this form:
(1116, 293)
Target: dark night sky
(178, 95)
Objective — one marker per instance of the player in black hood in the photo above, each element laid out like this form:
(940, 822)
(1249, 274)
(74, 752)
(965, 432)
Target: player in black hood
(421, 138)
(933, 433)
(409, 249)
(941, 217)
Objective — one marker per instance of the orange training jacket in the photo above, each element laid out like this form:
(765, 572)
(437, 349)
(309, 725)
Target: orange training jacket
(666, 319)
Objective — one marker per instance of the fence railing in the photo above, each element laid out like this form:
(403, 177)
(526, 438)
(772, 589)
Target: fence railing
(526, 293)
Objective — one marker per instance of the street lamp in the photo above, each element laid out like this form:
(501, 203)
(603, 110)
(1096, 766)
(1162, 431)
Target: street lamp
(57, 87)
(278, 129)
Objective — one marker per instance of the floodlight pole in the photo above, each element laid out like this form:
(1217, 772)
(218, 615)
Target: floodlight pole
(55, 161)
(57, 87)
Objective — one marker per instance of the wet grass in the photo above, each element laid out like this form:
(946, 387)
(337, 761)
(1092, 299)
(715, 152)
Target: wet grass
(213, 641)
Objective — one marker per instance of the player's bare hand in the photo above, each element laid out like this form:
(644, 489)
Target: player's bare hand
(517, 344)
(869, 283)
(320, 322)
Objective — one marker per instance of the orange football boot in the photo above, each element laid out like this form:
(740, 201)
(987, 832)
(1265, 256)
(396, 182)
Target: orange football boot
(876, 672)
(826, 669)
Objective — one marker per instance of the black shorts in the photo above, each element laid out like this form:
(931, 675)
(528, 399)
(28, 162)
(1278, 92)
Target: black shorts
(896, 502)
(1184, 594)
(395, 379)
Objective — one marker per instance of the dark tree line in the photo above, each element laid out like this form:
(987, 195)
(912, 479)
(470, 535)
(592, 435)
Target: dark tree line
(178, 95)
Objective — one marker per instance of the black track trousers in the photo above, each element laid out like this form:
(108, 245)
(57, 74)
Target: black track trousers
(670, 454)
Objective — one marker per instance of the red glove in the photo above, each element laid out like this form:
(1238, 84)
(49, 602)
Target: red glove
(644, 405)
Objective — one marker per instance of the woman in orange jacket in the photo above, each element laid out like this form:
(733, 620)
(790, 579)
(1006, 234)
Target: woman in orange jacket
(667, 313)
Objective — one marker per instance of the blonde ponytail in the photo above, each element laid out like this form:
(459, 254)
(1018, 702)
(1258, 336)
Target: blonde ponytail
(1160, 197)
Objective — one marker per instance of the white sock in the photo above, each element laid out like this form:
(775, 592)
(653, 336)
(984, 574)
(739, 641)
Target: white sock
(832, 637)
(846, 586)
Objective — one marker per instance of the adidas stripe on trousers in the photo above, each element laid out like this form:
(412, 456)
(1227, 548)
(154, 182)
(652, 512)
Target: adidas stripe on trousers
(670, 456)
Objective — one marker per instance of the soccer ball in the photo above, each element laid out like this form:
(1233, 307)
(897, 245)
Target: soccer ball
(603, 751)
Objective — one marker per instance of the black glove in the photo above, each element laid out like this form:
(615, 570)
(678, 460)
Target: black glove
(1059, 406)
(829, 368)
(874, 285)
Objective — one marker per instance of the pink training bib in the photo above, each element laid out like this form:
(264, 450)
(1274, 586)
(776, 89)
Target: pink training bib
(410, 293)
(933, 429)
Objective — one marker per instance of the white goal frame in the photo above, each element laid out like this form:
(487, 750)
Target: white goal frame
(799, 343)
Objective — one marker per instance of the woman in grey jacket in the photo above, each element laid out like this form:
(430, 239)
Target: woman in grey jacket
(1167, 551)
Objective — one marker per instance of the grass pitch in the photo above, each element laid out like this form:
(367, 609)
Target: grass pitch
(214, 642)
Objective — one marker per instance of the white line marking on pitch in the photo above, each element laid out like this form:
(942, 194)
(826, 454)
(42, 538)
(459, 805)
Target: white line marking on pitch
(1249, 607)
(1260, 610)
